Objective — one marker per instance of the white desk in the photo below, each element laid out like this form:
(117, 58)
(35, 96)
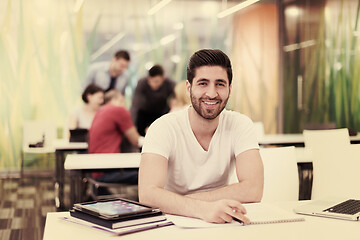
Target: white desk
(291, 139)
(281, 139)
(102, 161)
(311, 228)
(61, 144)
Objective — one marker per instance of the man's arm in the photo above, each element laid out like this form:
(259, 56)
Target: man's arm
(152, 179)
(250, 173)
(134, 137)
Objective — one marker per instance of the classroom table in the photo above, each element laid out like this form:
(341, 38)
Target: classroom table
(296, 139)
(311, 228)
(79, 164)
(61, 148)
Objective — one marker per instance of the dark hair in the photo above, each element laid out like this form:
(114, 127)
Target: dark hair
(90, 89)
(156, 70)
(208, 57)
(122, 54)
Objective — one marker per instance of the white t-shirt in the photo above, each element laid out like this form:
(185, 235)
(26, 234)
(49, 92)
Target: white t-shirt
(83, 119)
(191, 168)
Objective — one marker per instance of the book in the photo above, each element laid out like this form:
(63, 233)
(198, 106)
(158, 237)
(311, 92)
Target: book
(120, 222)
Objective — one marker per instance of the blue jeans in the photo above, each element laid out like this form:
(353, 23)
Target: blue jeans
(127, 176)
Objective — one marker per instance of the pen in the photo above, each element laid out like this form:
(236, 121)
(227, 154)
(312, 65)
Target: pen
(239, 221)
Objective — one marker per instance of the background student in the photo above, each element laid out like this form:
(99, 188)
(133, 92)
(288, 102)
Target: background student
(180, 99)
(150, 100)
(111, 124)
(110, 75)
(82, 117)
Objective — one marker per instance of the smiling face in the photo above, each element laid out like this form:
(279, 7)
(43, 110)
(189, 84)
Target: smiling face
(209, 91)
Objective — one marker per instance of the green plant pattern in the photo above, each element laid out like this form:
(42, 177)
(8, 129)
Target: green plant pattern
(41, 65)
(44, 57)
(331, 71)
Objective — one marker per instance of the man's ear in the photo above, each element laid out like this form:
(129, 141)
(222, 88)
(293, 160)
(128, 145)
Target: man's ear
(230, 87)
(188, 86)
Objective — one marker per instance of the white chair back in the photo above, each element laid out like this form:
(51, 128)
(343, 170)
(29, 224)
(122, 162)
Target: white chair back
(321, 140)
(281, 180)
(281, 177)
(335, 164)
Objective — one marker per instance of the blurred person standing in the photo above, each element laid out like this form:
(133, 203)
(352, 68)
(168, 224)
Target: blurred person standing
(150, 100)
(110, 75)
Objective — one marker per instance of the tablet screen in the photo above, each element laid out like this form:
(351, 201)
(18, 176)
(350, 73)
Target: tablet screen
(116, 207)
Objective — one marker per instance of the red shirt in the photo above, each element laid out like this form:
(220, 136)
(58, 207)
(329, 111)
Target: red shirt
(107, 129)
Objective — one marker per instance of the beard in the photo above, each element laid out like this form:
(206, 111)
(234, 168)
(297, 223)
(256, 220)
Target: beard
(208, 114)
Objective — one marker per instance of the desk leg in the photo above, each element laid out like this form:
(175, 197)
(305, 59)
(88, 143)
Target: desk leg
(76, 187)
(59, 180)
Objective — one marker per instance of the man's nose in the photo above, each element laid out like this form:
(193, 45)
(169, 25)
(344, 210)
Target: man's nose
(211, 91)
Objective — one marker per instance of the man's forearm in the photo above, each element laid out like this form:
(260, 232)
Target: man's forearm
(171, 203)
(243, 192)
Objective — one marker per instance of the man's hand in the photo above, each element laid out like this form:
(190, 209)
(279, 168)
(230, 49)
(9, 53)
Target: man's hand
(222, 211)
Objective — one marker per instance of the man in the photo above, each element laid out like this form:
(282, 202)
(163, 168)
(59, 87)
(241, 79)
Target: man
(150, 100)
(110, 75)
(111, 122)
(188, 154)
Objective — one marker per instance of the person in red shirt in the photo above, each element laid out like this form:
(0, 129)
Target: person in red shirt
(111, 123)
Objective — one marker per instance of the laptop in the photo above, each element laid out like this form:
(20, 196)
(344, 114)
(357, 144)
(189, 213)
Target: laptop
(78, 135)
(345, 209)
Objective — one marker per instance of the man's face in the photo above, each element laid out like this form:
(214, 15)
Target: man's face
(119, 101)
(155, 82)
(209, 91)
(118, 66)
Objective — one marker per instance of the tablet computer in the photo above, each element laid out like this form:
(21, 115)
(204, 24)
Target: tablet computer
(115, 208)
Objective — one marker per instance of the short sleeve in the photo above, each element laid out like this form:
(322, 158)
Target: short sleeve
(123, 119)
(158, 138)
(244, 136)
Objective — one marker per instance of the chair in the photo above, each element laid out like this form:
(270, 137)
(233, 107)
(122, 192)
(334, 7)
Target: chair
(119, 190)
(335, 165)
(281, 181)
(38, 138)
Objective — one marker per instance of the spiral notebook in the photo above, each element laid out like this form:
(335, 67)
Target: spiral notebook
(258, 213)
(262, 213)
